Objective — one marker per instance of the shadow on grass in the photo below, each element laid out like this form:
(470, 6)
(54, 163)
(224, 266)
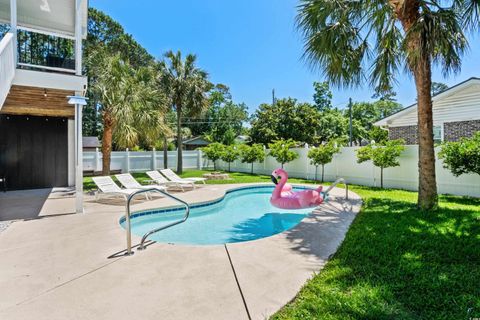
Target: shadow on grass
(395, 262)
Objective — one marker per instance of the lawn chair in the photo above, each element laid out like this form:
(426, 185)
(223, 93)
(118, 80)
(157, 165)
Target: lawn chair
(108, 188)
(129, 182)
(174, 185)
(172, 176)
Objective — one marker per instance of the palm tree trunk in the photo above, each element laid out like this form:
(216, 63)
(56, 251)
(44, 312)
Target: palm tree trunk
(421, 67)
(179, 140)
(107, 143)
(165, 153)
(427, 186)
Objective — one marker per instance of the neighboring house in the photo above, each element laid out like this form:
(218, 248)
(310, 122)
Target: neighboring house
(40, 65)
(195, 143)
(456, 114)
(90, 144)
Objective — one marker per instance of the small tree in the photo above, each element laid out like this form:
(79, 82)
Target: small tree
(463, 156)
(251, 154)
(214, 151)
(382, 156)
(280, 150)
(229, 154)
(322, 155)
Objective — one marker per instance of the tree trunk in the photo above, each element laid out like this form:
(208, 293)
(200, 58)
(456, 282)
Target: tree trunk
(251, 169)
(214, 165)
(229, 167)
(316, 169)
(323, 171)
(107, 143)
(165, 153)
(408, 12)
(179, 140)
(427, 186)
(282, 165)
(381, 177)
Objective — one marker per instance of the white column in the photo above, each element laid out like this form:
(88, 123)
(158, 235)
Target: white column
(127, 160)
(78, 37)
(78, 159)
(154, 159)
(97, 161)
(13, 27)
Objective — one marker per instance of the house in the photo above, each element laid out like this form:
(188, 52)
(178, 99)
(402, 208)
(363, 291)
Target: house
(456, 114)
(40, 66)
(195, 143)
(90, 144)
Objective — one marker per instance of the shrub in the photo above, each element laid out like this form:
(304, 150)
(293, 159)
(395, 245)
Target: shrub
(251, 154)
(382, 156)
(463, 156)
(214, 152)
(280, 150)
(322, 155)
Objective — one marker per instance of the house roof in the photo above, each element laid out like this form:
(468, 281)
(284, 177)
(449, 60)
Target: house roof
(441, 95)
(90, 142)
(196, 141)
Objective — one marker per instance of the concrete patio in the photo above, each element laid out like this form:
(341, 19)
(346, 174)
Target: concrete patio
(59, 265)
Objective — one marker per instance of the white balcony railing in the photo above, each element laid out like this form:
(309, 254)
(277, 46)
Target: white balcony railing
(7, 65)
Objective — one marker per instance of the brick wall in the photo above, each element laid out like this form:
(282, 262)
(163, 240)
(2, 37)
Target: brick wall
(407, 133)
(453, 131)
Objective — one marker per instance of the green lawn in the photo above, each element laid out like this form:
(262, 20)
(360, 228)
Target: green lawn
(396, 262)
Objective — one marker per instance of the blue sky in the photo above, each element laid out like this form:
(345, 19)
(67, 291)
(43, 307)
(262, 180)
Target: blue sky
(249, 45)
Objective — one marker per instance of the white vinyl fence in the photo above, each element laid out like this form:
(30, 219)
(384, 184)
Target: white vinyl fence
(345, 165)
(141, 161)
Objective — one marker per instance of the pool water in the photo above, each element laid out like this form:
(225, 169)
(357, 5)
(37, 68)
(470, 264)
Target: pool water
(242, 215)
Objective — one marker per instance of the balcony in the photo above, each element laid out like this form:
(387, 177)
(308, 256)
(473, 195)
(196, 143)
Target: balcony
(42, 52)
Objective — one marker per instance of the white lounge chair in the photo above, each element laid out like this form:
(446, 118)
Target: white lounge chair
(174, 185)
(129, 182)
(172, 176)
(108, 188)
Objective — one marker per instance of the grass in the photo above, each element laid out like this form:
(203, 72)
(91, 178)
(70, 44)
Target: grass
(396, 262)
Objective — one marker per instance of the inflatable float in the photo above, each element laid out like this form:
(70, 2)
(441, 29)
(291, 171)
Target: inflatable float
(284, 197)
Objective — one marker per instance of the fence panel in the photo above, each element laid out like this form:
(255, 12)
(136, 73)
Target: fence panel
(345, 165)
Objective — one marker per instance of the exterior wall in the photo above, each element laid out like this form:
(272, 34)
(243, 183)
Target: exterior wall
(407, 133)
(453, 131)
(463, 105)
(71, 153)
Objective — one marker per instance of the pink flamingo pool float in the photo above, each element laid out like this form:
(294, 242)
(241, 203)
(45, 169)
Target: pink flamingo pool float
(284, 197)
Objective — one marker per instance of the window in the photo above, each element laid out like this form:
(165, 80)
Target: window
(437, 134)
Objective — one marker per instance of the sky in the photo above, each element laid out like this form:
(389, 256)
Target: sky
(250, 45)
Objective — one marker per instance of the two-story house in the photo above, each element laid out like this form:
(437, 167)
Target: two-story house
(40, 66)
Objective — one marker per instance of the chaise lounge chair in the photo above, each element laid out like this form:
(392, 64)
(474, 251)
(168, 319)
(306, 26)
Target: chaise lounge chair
(129, 182)
(108, 188)
(174, 185)
(172, 176)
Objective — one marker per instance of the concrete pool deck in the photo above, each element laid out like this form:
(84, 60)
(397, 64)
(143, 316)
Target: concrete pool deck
(67, 266)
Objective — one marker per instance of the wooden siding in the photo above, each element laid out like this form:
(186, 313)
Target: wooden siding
(461, 106)
(32, 101)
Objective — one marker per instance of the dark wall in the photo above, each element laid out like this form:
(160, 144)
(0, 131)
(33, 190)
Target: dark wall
(34, 151)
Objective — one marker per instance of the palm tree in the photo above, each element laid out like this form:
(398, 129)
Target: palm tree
(187, 86)
(406, 34)
(129, 104)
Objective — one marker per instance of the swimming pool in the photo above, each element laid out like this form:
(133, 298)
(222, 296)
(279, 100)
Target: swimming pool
(244, 214)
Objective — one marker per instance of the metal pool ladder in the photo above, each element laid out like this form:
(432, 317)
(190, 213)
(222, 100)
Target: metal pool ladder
(339, 180)
(149, 233)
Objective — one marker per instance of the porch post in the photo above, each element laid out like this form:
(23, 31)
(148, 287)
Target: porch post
(78, 37)
(79, 102)
(13, 28)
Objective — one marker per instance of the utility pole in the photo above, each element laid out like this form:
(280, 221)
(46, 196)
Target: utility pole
(273, 97)
(351, 133)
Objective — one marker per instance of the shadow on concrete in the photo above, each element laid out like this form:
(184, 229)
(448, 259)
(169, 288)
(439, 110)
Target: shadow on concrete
(22, 204)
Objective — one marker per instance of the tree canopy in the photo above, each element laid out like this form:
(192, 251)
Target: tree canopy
(281, 151)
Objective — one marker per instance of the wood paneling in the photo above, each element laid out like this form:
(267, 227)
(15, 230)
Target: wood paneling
(34, 151)
(32, 101)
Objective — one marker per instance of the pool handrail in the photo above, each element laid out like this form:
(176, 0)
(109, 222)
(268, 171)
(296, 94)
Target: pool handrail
(339, 180)
(146, 235)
